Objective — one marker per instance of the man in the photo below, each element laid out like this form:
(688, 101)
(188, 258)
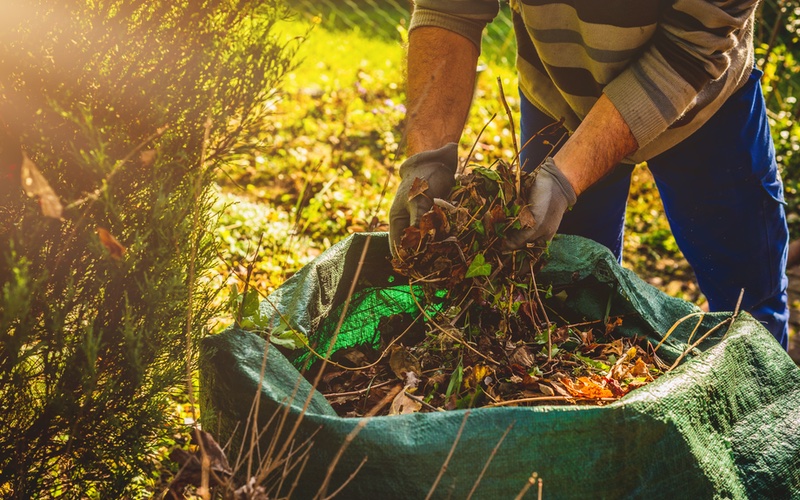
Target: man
(670, 82)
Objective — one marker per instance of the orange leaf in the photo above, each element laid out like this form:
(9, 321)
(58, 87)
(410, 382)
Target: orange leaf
(586, 387)
(113, 246)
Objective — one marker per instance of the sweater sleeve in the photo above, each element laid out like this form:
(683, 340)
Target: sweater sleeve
(692, 46)
(465, 17)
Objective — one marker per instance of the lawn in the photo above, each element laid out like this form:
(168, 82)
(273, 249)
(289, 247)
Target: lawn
(325, 164)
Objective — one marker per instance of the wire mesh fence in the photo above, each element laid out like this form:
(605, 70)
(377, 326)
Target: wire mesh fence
(777, 29)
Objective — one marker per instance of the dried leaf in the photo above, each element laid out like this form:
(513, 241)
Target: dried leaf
(588, 387)
(523, 356)
(474, 375)
(401, 361)
(640, 368)
(35, 185)
(546, 390)
(114, 247)
(402, 404)
(613, 324)
(418, 187)
(526, 218)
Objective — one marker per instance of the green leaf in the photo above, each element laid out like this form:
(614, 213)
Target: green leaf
(455, 381)
(291, 339)
(592, 363)
(489, 174)
(479, 267)
(250, 303)
(478, 227)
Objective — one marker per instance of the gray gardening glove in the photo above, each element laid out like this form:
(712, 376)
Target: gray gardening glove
(438, 169)
(549, 197)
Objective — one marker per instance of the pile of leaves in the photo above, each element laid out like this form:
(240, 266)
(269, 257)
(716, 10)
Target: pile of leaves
(496, 341)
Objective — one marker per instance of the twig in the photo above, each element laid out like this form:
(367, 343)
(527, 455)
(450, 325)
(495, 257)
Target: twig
(348, 480)
(475, 143)
(699, 341)
(349, 439)
(443, 468)
(530, 482)
(421, 401)
(675, 325)
(360, 391)
(736, 311)
(489, 461)
(513, 132)
(546, 318)
(190, 297)
(540, 399)
(448, 334)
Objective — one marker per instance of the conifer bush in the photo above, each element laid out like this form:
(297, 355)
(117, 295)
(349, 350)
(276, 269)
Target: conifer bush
(126, 107)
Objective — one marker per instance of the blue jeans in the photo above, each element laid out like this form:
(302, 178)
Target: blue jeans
(723, 198)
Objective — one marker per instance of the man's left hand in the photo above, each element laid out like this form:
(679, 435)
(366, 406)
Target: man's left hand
(550, 195)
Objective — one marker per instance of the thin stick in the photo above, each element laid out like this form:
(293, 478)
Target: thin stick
(359, 391)
(530, 482)
(735, 312)
(544, 311)
(475, 143)
(348, 480)
(510, 124)
(190, 298)
(448, 334)
(547, 398)
(443, 468)
(675, 325)
(488, 461)
(421, 401)
(699, 341)
(349, 439)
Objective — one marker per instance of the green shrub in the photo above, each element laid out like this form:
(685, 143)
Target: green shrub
(126, 106)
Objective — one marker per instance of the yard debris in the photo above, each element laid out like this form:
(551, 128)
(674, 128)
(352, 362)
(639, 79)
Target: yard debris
(489, 341)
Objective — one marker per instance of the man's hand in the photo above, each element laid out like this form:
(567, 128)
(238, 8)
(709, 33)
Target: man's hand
(549, 197)
(437, 168)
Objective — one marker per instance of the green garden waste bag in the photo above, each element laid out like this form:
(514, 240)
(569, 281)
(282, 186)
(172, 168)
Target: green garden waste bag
(724, 424)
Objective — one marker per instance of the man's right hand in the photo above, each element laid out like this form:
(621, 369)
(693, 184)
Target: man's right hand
(438, 169)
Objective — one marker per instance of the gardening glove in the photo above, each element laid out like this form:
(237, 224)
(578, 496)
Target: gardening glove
(438, 169)
(548, 198)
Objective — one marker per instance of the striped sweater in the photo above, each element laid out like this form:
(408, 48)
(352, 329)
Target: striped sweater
(667, 65)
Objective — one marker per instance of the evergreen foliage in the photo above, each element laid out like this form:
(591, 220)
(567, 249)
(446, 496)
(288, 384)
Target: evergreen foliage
(126, 107)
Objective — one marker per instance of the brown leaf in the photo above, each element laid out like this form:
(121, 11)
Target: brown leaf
(35, 185)
(523, 356)
(493, 216)
(434, 221)
(613, 324)
(114, 247)
(418, 187)
(640, 368)
(402, 404)
(546, 390)
(526, 218)
(401, 362)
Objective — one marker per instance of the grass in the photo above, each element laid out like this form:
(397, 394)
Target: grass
(324, 166)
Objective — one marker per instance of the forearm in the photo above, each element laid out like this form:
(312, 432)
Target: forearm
(602, 140)
(441, 80)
